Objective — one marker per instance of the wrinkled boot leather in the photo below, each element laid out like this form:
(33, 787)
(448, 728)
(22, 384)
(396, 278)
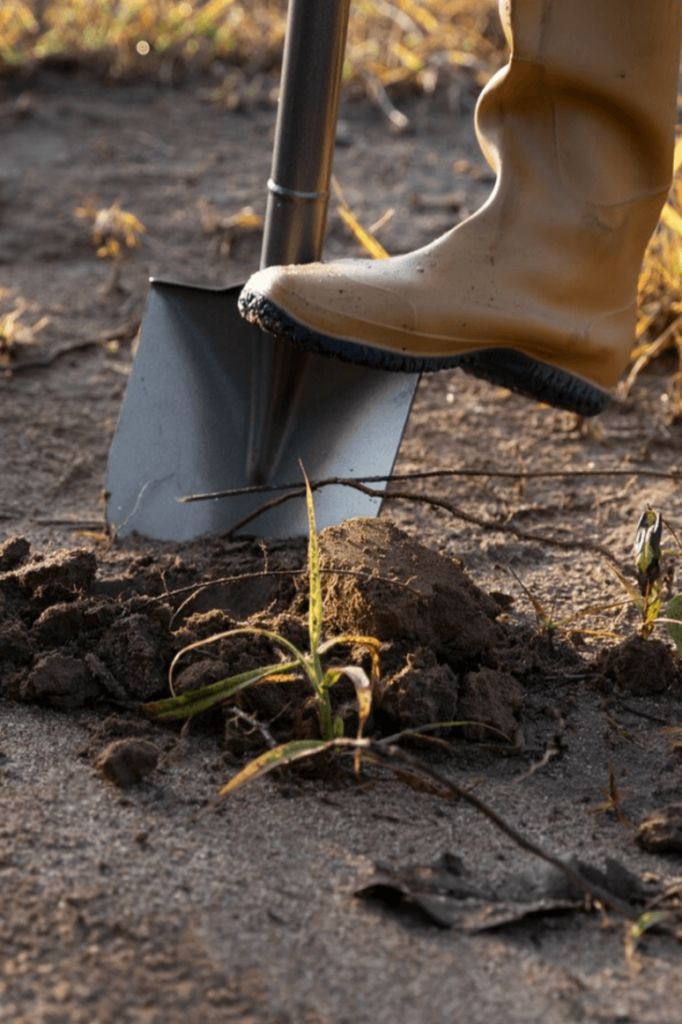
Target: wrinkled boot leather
(537, 290)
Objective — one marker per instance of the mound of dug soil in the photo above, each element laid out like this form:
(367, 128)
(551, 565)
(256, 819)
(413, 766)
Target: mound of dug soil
(76, 632)
(80, 628)
(442, 641)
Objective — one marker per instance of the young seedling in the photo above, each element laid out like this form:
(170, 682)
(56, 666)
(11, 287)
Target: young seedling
(309, 665)
(673, 620)
(647, 553)
(647, 598)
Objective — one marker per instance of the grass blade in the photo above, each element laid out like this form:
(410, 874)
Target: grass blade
(255, 631)
(287, 753)
(363, 692)
(370, 643)
(674, 611)
(331, 678)
(316, 608)
(193, 701)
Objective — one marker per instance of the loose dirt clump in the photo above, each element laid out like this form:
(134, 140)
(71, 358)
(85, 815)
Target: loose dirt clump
(13, 552)
(125, 762)
(77, 633)
(661, 831)
(135, 650)
(641, 666)
(379, 581)
(423, 691)
(49, 576)
(59, 682)
(492, 698)
(75, 630)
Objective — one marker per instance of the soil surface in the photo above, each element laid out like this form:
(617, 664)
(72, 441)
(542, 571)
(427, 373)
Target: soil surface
(310, 896)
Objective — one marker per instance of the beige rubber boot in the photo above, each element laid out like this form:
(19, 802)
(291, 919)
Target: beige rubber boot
(537, 290)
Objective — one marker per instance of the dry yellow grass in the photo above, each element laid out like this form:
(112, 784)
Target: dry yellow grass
(402, 41)
(393, 44)
(659, 325)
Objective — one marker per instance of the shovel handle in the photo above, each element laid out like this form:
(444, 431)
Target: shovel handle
(305, 133)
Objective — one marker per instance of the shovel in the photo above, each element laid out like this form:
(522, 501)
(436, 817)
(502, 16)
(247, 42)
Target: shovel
(213, 404)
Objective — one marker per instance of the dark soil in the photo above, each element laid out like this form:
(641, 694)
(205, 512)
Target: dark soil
(127, 895)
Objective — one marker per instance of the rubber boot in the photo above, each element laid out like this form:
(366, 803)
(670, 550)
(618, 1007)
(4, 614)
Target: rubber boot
(537, 290)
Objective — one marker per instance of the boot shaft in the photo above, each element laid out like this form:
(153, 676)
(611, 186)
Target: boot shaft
(607, 72)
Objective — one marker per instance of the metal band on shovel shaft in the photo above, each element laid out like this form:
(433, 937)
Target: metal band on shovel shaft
(296, 214)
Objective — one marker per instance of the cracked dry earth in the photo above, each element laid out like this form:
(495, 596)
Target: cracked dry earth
(127, 895)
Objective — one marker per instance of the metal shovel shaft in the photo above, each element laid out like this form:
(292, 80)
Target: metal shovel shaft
(305, 132)
(295, 219)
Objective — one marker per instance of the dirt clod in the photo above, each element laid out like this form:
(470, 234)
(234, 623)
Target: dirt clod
(135, 650)
(422, 692)
(62, 570)
(13, 552)
(492, 698)
(57, 624)
(125, 762)
(661, 831)
(60, 682)
(641, 666)
(402, 590)
(15, 647)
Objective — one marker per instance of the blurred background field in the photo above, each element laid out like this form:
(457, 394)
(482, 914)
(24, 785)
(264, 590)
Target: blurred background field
(419, 43)
(396, 49)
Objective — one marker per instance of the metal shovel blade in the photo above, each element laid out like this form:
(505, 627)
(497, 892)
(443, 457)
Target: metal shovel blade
(184, 425)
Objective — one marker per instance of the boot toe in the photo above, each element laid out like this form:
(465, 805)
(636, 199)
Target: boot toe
(347, 299)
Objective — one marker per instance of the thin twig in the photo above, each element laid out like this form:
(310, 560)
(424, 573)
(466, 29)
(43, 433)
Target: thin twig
(421, 730)
(255, 725)
(118, 334)
(674, 889)
(73, 524)
(435, 474)
(494, 525)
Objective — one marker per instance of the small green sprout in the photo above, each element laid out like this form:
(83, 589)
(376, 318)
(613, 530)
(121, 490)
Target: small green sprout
(646, 552)
(649, 919)
(647, 549)
(647, 556)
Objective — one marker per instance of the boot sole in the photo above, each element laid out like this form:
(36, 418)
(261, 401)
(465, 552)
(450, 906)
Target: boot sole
(504, 367)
